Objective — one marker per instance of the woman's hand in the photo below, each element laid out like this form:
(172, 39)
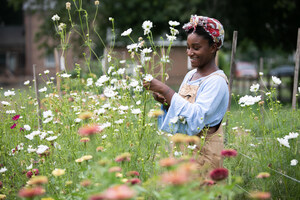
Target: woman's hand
(154, 85)
(158, 97)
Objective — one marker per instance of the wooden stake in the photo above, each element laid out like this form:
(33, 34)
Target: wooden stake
(232, 64)
(57, 70)
(296, 72)
(37, 98)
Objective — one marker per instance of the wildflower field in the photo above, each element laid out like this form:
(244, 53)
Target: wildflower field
(96, 137)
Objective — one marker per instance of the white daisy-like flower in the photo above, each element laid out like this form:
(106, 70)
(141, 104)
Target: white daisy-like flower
(5, 103)
(55, 17)
(30, 149)
(147, 25)
(51, 138)
(249, 100)
(261, 73)
(27, 127)
(192, 147)
(122, 61)
(177, 153)
(291, 135)
(136, 111)
(254, 87)
(3, 169)
(109, 92)
(10, 112)
(120, 121)
(104, 136)
(27, 82)
(294, 162)
(29, 167)
(174, 31)
(89, 82)
(165, 59)
(47, 114)
(276, 80)
(146, 50)
(46, 71)
(174, 23)
(107, 124)
(174, 120)
(62, 26)
(133, 83)
(9, 93)
(121, 71)
(123, 107)
(65, 75)
(127, 32)
(44, 89)
(132, 47)
(148, 78)
(138, 102)
(41, 149)
(171, 38)
(284, 142)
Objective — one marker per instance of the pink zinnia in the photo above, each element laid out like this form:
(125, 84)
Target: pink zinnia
(133, 173)
(31, 192)
(119, 192)
(16, 117)
(218, 174)
(134, 181)
(90, 130)
(13, 126)
(36, 172)
(228, 153)
(260, 195)
(29, 174)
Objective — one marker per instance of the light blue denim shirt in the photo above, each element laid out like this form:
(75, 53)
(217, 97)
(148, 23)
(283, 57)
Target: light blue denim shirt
(208, 109)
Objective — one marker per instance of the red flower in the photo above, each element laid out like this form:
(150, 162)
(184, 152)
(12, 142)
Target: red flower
(97, 197)
(29, 174)
(133, 173)
(218, 174)
(228, 153)
(90, 130)
(16, 117)
(31, 192)
(119, 192)
(36, 172)
(134, 181)
(13, 126)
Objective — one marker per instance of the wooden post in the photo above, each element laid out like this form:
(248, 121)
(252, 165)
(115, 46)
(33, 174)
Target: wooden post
(296, 72)
(261, 83)
(57, 70)
(232, 65)
(37, 98)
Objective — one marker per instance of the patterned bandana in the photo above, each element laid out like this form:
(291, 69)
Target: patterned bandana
(212, 26)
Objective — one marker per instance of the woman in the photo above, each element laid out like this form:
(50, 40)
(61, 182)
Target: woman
(200, 105)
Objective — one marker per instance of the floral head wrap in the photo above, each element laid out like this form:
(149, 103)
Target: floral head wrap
(212, 26)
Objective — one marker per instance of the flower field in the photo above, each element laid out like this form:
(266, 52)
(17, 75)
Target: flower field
(96, 137)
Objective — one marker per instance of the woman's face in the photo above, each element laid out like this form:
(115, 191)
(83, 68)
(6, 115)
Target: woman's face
(199, 51)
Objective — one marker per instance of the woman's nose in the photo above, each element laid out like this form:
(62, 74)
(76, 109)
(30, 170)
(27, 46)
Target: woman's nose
(189, 52)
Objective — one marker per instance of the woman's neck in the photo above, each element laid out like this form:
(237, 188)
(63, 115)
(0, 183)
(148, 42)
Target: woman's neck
(208, 69)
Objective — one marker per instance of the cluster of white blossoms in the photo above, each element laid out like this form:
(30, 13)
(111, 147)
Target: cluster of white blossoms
(276, 80)
(48, 116)
(248, 100)
(285, 140)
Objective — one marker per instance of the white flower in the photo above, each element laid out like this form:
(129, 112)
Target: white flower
(122, 61)
(276, 80)
(107, 124)
(121, 71)
(109, 92)
(249, 100)
(138, 102)
(123, 107)
(284, 142)
(3, 169)
(110, 19)
(174, 31)
(27, 127)
(291, 135)
(136, 111)
(77, 120)
(192, 147)
(294, 162)
(171, 38)
(61, 26)
(173, 23)
(133, 83)
(165, 59)
(104, 136)
(177, 153)
(47, 114)
(299, 89)
(254, 87)
(44, 89)
(51, 138)
(148, 78)
(9, 93)
(147, 25)
(109, 58)
(65, 75)
(120, 121)
(41, 149)
(30, 149)
(10, 112)
(101, 80)
(55, 17)
(46, 71)
(268, 93)
(5, 103)
(133, 46)
(127, 32)
(29, 167)
(89, 82)
(147, 50)
(261, 73)
(27, 82)
(174, 120)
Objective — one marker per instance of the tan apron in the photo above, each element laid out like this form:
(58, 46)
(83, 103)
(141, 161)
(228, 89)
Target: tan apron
(210, 152)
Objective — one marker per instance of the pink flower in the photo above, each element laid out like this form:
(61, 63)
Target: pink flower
(13, 126)
(123, 157)
(218, 174)
(134, 181)
(16, 117)
(90, 130)
(36, 172)
(97, 197)
(115, 169)
(208, 182)
(260, 195)
(228, 153)
(175, 177)
(31, 192)
(119, 192)
(133, 173)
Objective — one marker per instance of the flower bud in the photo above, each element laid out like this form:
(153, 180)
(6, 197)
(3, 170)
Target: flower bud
(96, 3)
(68, 6)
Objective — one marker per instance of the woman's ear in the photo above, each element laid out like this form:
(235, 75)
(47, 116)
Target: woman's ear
(214, 48)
